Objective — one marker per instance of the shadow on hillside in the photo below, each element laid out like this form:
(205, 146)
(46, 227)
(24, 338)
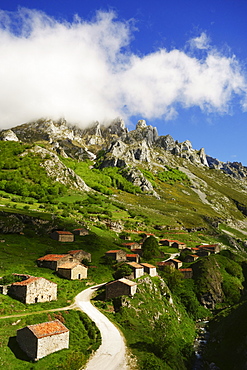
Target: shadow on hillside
(14, 347)
(142, 346)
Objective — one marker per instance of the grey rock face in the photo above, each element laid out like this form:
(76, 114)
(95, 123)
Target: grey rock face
(8, 135)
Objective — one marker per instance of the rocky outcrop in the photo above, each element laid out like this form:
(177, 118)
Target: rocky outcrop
(8, 135)
(57, 170)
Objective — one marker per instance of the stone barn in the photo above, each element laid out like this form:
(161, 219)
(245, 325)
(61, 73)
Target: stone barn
(133, 257)
(34, 290)
(137, 270)
(120, 287)
(39, 340)
(81, 232)
(80, 255)
(177, 263)
(53, 261)
(62, 236)
(149, 269)
(187, 273)
(116, 255)
(72, 271)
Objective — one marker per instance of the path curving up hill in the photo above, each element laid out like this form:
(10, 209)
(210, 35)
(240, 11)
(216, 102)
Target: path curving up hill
(111, 355)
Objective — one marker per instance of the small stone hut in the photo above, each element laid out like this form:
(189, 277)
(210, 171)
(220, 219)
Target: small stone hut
(62, 236)
(133, 257)
(117, 255)
(137, 270)
(177, 263)
(187, 273)
(120, 287)
(72, 271)
(80, 255)
(149, 269)
(53, 261)
(33, 290)
(39, 340)
(81, 232)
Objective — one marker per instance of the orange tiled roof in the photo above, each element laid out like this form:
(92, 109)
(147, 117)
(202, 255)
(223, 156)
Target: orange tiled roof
(188, 269)
(46, 329)
(30, 280)
(132, 255)
(63, 232)
(52, 257)
(114, 251)
(75, 251)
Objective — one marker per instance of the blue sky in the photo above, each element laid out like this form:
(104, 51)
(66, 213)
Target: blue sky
(181, 65)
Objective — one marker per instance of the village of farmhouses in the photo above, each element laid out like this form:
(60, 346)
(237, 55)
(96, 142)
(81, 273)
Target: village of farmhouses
(42, 339)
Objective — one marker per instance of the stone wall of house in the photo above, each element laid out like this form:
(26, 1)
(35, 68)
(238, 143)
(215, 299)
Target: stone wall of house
(138, 272)
(53, 265)
(79, 272)
(27, 342)
(81, 255)
(4, 289)
(41, 290)
(52, 343)
(62, 237)
(116, 289)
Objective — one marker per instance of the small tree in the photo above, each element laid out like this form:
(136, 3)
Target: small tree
(150, 248)
(122, 271)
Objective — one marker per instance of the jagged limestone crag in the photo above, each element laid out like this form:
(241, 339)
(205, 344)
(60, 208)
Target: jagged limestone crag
(119, 148)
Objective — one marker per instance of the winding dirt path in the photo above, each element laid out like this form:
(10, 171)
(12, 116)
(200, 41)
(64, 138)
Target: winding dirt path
(111, 355)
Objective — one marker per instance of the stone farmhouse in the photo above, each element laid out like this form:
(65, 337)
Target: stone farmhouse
(177, 263)
(132, 245)
(167, 242)
(173, 243)
(53, 261)
(120, 287)
(191, 258)
(62, 236)
(81, 232)
(149, 269)
(137, 270)
(33, 290)
(212, 248)
(117, 255)
(162, 265)
(187, 273)
(80, 255)
(133, 257)
(73, 271)
(39, 340)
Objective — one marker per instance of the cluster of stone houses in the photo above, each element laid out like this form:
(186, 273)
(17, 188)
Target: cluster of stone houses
(67, 236)
(126, 286)
(39, 340)
(68, 265)
(193, 254)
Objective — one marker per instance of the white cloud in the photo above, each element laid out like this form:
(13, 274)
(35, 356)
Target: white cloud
(81, 71)
(201, 42)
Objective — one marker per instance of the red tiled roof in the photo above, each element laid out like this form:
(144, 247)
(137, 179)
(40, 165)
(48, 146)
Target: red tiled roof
(64, 232)
(114, 251)
(52, 257)
(188, 269)
(75, 251)
(132, 255)
(30, 280)
(130, 243)
(46, 329)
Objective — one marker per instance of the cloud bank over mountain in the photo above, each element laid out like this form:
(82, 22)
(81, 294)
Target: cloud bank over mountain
(85, 71)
